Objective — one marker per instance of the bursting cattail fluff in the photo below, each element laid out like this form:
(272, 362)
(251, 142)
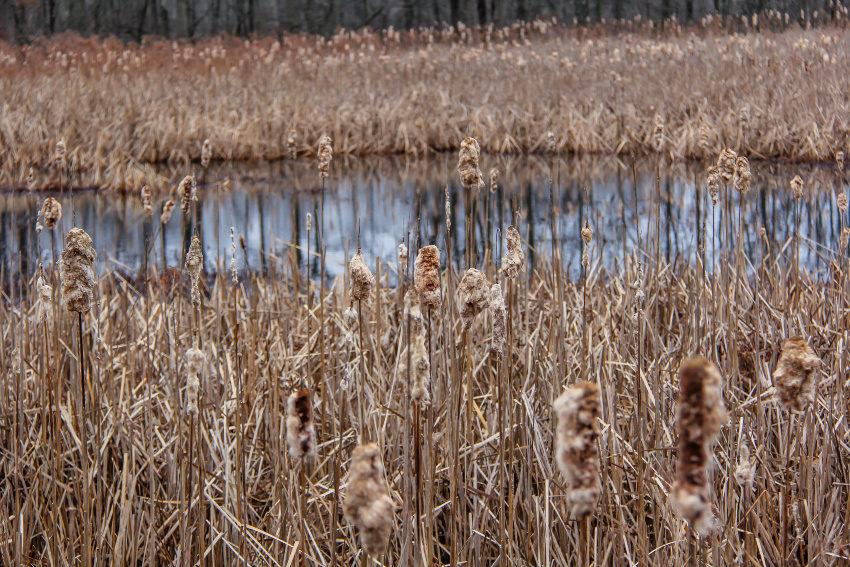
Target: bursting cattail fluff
(326, 154)
(147, 205)
(514, 258)
(300, 431)
(206, 154)
(420, 371)
(743, 177)
(413, 313)
(494, 180)
(726, 164)
(472, 295)
(76, 270)
(795, 377)
(842, 203)
(51, 212)
(45, 298)
(367, 503)
(714, 181)
(745, 472)
(362, 279)
(467, 164)
(797, 186)
(233, 272)
(167, 210)
(309, 222)
(186, 192)
(403, 257)
(194, 263)
(550, 139)
(500, 317)
(448, 212)
(587, 237)
(195, 362)
(291, 145)
(845, 237)
(700, 415)
(426, 277)
(577, 414)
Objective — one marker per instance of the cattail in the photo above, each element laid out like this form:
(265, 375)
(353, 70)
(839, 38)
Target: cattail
(763, 233)
(426, 277)
(362, 279)
(403, 257)
(76, 271)
(16, 360)
(420, 371)
(842, 203)
(300, 431)
(586, 236)
(577, 414)
(413, 312)
(45, 297)
(326, 154)
(745, 473)
(797, 186)
(186, 191)
(194, 263)
(195, 362)
(845, 237)
(367, 503)
(467, 164)
(233, 258)
(700, 415)
(146, 201)
(743, 177)
(167, 210)
(60, 153)
(291, 144)
(31, 179)
(448, 212)
(242, 244)
(714, 178)
(795, 376)
(500, 318)
(206, 154)
(472, 295)
(513, 260)
(51, 212)
(839, 159)
(658, 133)
(726, 164)
(494, 180)
(553, 144)
(349, 316)
(309, 222)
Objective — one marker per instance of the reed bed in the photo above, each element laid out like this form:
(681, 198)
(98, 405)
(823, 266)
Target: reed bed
(116, 110)
(272, 417)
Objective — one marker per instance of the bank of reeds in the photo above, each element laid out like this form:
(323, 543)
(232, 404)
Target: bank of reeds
(119, 109)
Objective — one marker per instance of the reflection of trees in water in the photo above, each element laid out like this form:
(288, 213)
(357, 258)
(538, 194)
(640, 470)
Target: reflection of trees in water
(389, 196)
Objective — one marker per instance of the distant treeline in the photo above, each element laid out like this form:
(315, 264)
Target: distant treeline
(26, 20)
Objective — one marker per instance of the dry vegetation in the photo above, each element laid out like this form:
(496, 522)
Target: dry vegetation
(150, 425)
(777, 93)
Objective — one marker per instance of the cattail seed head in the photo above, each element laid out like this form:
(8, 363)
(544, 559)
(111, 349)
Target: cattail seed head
(420, 371)
(413, 313)
(167, 211)
(426, 277)
(448, 212)
(795, 377)
(362, 279)
(309, 222)
(194, 263)
(195, 362)
(700, 415)
(186, 191)
(743, 177)
(726, 164)
(467, 164)
(31, 179)
(45, 298)
(147, 195)
(552, 143)
(472, 295)
(367, 503)
(326, 154)
(494, 180)
(514, 258)
(242, 244)
(587, 233)
(206, 154)
(577, 414)
(403, 256)
(842, 203)
(797, 186)
(349, 316)
(845, 237)
(714, 181)
(300, 431)
(51, 212)
(745, 473)
(76, 270)
(233, 272)
(500, 319)
(291, 144)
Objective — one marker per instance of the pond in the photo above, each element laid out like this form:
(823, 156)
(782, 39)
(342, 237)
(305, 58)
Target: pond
(385, 200)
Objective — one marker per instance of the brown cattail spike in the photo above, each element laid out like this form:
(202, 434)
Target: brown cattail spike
(426, 277)
(467, 164)
(206, 154)
(186, 191)
(147, 204)
(797, 186)
(494, 180)
(587, 237)
(367, 504)
(842, 203)
(167, 211)
(726, 164)
(500, 319)
(51, 212)
(577, 414)
(700, 415)
(413, 313)
(743, 177)
(300, 431)
(326, 154)
(714, 182)
(194, 263)
(472, 295)
(362, 279)
(76, 270)
(795, 376)
(195, 362)
(403, 257)
(513, 260)
(45, 298)
(420, 371)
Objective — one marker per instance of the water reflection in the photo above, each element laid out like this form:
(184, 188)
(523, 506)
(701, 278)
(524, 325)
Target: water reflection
(382, 200)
